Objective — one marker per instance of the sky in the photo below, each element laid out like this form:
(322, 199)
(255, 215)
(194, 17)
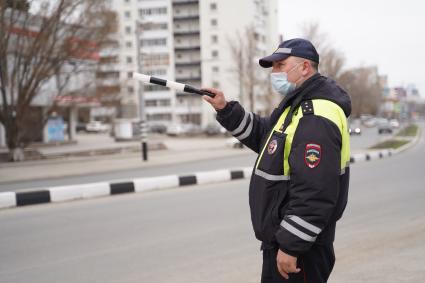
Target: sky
(389, 34)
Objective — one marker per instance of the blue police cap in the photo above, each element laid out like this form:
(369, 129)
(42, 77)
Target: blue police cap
(297, 47)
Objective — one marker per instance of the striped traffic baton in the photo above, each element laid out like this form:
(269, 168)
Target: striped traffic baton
(170, 84)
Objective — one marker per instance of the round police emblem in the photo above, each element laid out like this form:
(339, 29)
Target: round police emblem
(271, 148)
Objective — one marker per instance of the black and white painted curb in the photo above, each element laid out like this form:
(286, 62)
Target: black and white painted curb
(93, 190)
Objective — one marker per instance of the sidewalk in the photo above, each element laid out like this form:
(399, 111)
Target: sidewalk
(174, 150)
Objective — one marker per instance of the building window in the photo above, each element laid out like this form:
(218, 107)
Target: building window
(215, 84)
(130, 89)
(153, 42)
(152, 11)
(214, 39)
(157, 72)
(127, 30)
(129, 60)
(128, 44)
(213, 6)
(154, 26)
(214, 22)
(214, 54)
(215, 69)
(127, 14)
(129, 75)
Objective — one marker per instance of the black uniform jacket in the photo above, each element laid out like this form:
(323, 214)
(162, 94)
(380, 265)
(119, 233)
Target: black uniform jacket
(294, 214)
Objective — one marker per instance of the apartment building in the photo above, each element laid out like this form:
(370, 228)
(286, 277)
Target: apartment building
(187, 41)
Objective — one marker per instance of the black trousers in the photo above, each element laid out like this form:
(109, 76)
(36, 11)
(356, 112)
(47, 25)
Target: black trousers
(316, 266)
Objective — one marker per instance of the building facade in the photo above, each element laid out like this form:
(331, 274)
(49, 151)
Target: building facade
(187, 41)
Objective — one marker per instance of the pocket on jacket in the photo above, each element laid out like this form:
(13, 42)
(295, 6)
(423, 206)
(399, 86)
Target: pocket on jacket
(271, 161)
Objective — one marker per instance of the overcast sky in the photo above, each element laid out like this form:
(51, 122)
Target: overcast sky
(389, 34)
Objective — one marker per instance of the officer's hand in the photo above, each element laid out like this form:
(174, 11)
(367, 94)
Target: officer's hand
(286, 264)
(218, 101)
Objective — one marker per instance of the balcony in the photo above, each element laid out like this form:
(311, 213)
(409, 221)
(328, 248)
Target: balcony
(185, 17)
(187, 48)
(184, 2)
(187, 32)
(188, 64)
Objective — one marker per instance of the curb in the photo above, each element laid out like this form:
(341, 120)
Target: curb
(94, 190)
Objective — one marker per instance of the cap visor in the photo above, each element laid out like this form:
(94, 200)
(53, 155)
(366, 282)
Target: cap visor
(267, 62)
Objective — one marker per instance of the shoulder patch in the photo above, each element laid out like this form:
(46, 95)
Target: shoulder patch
(312, 155)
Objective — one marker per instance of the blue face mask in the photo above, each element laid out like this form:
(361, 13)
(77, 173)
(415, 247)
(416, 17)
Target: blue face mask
(280, 82)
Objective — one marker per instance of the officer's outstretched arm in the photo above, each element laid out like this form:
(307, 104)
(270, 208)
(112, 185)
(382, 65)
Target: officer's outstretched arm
(247, 127)
(314, 184)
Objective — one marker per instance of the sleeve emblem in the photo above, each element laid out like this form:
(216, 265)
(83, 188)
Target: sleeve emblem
(312, 155)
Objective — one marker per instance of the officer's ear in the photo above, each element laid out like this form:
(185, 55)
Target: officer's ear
(307, 68)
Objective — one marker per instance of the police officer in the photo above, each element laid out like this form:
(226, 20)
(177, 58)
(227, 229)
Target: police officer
(299, 184)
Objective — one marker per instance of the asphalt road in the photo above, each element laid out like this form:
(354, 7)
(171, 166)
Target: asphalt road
(369, 137)
(203, 233)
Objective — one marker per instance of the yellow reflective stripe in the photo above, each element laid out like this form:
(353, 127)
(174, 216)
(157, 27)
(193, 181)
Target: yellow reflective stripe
(264, 147)
(333, 112)
(281, 120)
(290, 132)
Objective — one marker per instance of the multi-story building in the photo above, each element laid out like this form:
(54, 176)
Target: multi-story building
(187, 41)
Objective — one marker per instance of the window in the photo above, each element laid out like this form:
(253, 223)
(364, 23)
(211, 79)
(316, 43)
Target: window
(157, 72)
(153, 42)
(130, 89)
(214, 22)
(152, 11)
(129, 75)
(128, 44)
(127, 30)
(215, 69)
(154, 26)
(129, 60)
(214, 39)
(127, 14)
(214, 54)
(213, 6)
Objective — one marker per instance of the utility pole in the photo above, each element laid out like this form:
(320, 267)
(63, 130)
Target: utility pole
(142, 110)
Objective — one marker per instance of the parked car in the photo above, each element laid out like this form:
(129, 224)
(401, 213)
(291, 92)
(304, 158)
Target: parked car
(81, 127)
(234, 143)
(394, 123)
(97, 127)
(183, 129)
(214, 129)
(157, 128)
(384, 126)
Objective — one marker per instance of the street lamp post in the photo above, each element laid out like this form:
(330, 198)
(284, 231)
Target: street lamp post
(142, 111)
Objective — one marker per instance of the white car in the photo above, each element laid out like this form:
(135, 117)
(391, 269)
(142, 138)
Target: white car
(233, 143)
(97, 127)
(394, 123)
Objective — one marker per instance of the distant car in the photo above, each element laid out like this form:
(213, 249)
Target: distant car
(81, 127)
(183, 129)
(371, 122)
(394, 123)
(97, 127)
(384, 126)
(214, 129)
(233, 143)
(355, 131)
(157, 128)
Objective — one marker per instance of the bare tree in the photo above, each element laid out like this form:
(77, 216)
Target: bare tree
(43, 43)
(245, 53)
(363, 84)
(332, 61)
